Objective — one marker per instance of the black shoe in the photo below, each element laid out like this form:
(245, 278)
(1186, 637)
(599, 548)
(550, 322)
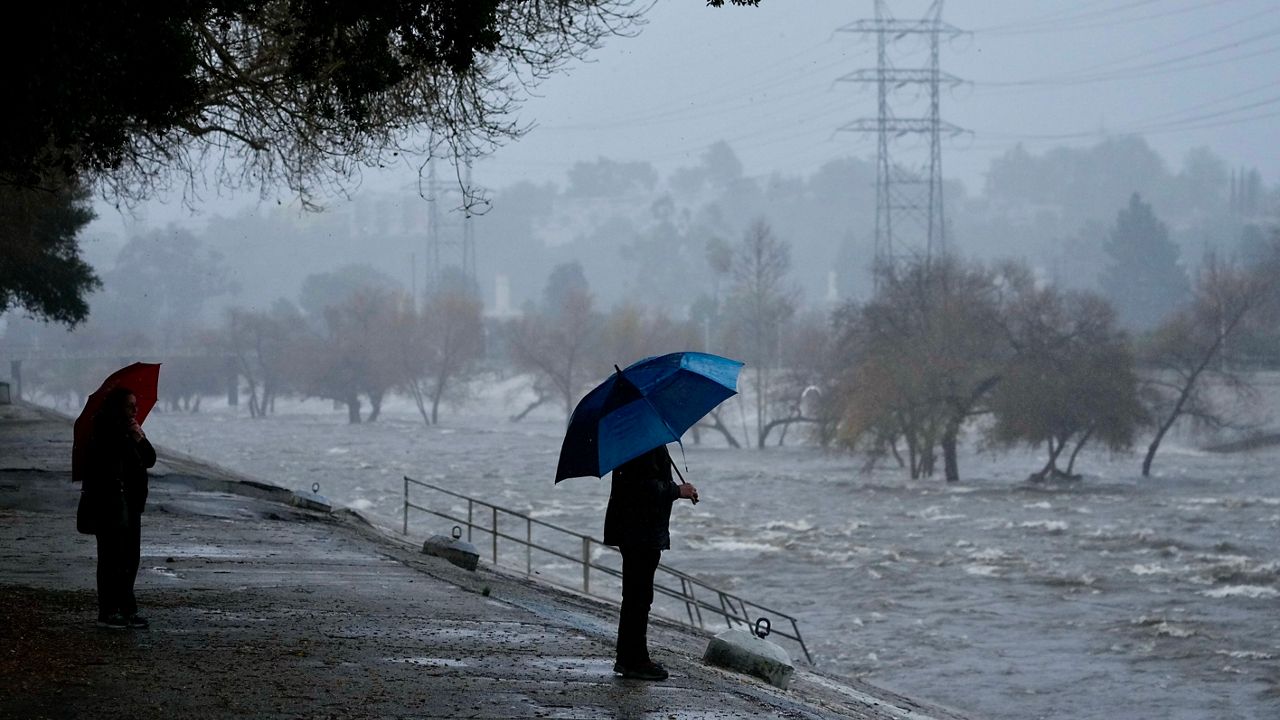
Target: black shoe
(641, 671)
(137, 622)
(115, 621)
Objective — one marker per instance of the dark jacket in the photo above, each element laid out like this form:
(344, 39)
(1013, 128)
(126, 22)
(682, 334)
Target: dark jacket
(640, 498)
(118, 466)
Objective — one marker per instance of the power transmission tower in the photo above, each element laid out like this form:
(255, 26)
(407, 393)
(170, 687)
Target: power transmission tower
(909, 207)
(451, 246)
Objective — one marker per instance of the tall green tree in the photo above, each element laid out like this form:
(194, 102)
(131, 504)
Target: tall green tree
(1145, 281)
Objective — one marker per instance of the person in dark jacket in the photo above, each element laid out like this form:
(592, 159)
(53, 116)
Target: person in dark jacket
(637, 522)
(119, 456)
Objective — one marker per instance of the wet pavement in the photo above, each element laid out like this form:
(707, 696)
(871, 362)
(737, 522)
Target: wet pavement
(261, 609)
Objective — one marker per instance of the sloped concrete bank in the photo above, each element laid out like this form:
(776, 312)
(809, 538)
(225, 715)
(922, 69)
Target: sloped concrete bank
(262, 606)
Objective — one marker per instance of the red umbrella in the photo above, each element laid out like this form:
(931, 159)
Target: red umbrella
(141, 378)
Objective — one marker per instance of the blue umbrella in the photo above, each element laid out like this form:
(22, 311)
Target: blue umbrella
(650, 403)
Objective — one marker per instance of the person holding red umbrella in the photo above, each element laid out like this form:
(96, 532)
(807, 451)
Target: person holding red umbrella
(114, 496)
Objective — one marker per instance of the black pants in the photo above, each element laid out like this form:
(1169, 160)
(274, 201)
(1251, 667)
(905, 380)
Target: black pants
(119, 553)
(638, 567)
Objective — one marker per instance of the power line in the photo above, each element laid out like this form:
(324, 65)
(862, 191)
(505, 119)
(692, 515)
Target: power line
(1060, 16)
(1060, 27)
(1160, 67)
(1049, 81)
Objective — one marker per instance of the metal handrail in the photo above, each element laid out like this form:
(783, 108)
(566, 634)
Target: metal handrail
(732, 608)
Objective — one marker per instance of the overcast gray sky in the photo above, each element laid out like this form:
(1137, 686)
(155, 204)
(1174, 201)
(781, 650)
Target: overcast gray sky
(1185, 73)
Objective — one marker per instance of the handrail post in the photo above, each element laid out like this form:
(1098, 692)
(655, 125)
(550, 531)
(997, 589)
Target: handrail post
(470, 504)
(528, 547)
(586, 565)
(405, 531)
(495, 534)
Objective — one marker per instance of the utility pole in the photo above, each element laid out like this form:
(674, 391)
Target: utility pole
(909, 206)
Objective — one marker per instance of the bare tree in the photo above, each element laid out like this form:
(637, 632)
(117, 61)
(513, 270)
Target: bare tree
(760, 301)
(1192, 350)
(357, 354)
(449, 339)
(264, 347)
(554, 343)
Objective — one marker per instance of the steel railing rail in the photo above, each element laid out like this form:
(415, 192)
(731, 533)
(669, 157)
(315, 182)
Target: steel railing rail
(732, 608)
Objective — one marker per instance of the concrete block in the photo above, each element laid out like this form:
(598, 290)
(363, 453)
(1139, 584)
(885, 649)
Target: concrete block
(741, 651)
(310, 501)
(459, 552)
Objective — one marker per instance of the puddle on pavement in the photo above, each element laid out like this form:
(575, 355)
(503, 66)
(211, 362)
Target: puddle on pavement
(162, 570)
(199, 551)
(504, 634)
(572, 665)
(428, 661)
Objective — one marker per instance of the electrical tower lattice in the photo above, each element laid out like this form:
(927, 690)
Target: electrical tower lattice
(447, 247)
(909, 209)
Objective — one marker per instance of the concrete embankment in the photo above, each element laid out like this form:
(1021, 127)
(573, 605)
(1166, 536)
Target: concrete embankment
(260, 607)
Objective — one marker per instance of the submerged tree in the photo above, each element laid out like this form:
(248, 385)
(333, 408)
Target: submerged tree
(555, 342)
(759, 302)
(1194, 350)
(439, 347)
(1070, 379)
(922, 355)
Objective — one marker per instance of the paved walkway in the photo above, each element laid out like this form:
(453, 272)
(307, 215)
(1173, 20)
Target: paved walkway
(261, 609)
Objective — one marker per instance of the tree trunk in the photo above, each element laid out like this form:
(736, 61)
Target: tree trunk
(1071, 464)
(951, 464)
(718, 425)
(1051, 467)
(537, 402)
(437, 394)
(1155, 445)
(760, 383)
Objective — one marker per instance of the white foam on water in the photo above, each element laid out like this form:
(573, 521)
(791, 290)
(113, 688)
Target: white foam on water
(989, 554)
(1151, 569)
(1249, 591)
(982, 570)
(1053, 526)
(733, 546)
(1245, 654)
(1042, 505)
(793, 525)
(1174, 631)
(361, 504)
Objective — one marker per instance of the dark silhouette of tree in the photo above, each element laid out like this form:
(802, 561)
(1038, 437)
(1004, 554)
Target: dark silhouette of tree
(41, 270)
(125, 97)
(1145, 281)
(299, 93)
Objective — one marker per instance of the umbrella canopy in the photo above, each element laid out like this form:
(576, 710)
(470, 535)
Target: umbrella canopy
(141, 378)
(650, 403)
